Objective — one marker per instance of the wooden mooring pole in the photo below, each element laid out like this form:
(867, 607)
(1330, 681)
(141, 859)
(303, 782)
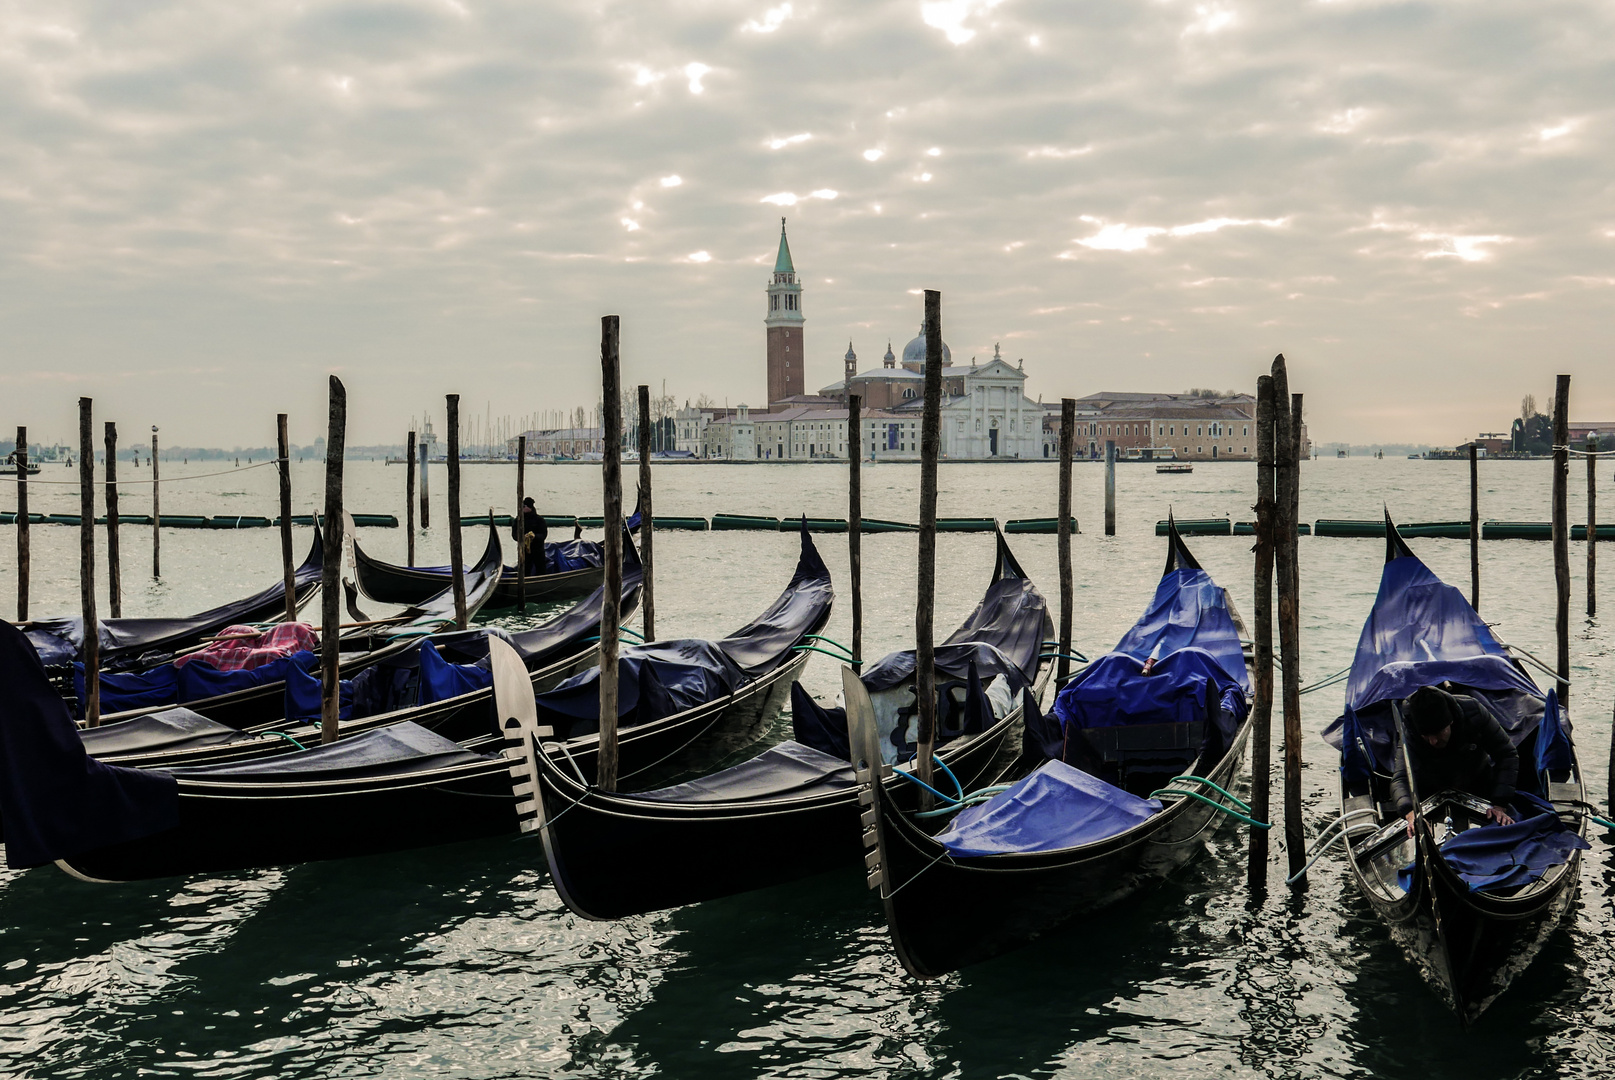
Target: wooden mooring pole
(1592, 525)
(156, 512)
(925, 609)
(1110, 487)
(114, 563)
(1262, 613)
(409, 501)
(426, 495)
(1474, 526)
(855, 523)
(1062, 535)
(1285, 469)
(611, 604)
(521, 524)
(456, 562)
(1561, 529)
(288, 575)
(647, 603)
(24, 553)
(92, 629)
(336, 439)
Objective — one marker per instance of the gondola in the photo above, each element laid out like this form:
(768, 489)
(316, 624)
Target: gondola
(1089, 825)
(257, 698)
(129, 644)
(1468, 930)
(793, 810)
(581, 573)
(440, 692)
(391, 788)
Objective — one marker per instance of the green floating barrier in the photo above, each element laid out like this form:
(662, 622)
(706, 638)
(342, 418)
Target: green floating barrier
(62, 519)
(965, 524)
(128, 519)
(1605, 532)
(744, 521)
(1518, 530)
(692, 524)
(236, 521)
(9, 517)
(560, 521)
(592, 522)
(374, 521)
(1198, 527)
(1452, 530)
(1369, 527)
(871, 525)
(1248, 528)
(816, 525)
(184, 521)
(482, 519)
(1037, 525)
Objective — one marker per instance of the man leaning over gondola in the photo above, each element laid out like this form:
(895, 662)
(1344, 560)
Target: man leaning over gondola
(1457, 746)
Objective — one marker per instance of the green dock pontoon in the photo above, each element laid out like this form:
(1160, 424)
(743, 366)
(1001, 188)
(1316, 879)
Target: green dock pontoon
(744, 521)
(966, 524)
(1037, 525)
(1198, 527)
(1248, 528)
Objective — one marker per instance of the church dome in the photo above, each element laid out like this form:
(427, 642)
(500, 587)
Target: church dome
(914, 351)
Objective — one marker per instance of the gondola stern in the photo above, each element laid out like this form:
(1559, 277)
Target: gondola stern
(1178, 555)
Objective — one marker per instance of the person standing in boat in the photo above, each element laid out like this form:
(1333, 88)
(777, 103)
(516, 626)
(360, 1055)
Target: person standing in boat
(1457, 746)
(532, 533)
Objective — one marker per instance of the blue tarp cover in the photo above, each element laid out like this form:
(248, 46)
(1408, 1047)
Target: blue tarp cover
(1198, 663)
(170, 685)
(441, 680)
(1504, 856)
(56, 800)
(1422, 632)
(304, 696)
(1055, 808)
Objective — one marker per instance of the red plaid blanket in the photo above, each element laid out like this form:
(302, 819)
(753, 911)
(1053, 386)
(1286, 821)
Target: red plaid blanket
(247, 648)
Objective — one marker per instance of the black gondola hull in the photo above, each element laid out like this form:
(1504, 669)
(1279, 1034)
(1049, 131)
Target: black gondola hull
(386, 583)
(611, 857)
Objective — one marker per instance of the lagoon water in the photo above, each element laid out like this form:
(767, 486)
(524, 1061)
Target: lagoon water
(461, 961)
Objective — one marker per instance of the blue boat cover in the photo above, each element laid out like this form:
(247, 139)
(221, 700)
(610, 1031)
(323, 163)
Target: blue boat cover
(58, 641)
(1199, 669)
(305, 696)
(395, 750)
(1356, 759)
(1422, 632)
(1496, 857)
(168, 685)
(1553, 751)
(55, 800)
(441, 679)
(1053, 809)
(781, 772)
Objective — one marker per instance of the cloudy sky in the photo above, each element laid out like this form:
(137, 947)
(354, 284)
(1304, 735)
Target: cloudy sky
(206, 205)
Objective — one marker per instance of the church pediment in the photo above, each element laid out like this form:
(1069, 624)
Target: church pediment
(998, 369)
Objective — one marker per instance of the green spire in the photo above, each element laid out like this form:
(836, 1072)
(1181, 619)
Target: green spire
(782, 265)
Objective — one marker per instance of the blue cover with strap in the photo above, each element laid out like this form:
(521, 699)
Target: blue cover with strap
(1422, 632)
(1495, 857)
(1199, 669)
(55, 800)
(304, 696)
(1055, 808)
(441, 679)
(168, 684)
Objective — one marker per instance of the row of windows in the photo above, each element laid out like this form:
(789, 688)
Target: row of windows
(1215, 430)
(792, 302)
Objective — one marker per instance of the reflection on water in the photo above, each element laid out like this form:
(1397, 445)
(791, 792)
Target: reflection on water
(461, 960)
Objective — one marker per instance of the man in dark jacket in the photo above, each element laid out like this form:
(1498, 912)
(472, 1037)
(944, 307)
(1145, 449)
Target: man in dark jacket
(1457, 746)
(534, 531)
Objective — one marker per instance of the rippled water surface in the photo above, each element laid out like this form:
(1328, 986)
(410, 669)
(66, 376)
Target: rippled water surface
(461, 961)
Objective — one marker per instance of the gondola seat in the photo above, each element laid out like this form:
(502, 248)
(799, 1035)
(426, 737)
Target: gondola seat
(787, 769)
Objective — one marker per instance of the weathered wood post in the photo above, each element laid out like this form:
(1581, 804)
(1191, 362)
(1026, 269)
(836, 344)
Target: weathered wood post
(409, 500)
(1474, 526)
(92, 628)
(114, 564)
(1285, 468)
(521, 524)
(647, 603)
(1295, 518)
(1068, 441)
(855, 523)
(1561, 529)
(336, 440)
(925, 611)
(24, 553)
(611, 604)
(283, 448)
(1110, 487)
(156, 512)
(1262, 707)
(1592, 525)
(457, 563)
(426, 495)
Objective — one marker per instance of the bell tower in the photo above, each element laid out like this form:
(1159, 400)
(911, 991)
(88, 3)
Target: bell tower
(784, 323)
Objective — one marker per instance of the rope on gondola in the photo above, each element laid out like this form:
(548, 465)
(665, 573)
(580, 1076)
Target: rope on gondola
(288, 738)
(1534, 661)
(827, 652)
(833, 641)
(1324, 845)
(1330, 681)
(1213, 803)
(1078, 657)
